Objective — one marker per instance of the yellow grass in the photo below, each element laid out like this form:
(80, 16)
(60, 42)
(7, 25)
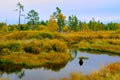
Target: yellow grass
(36, 59)
(35, 43)
(110, 72)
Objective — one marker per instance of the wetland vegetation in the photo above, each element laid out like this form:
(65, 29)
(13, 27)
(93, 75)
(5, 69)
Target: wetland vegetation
(48, 44)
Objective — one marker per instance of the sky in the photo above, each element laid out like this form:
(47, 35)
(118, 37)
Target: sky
(85, 10)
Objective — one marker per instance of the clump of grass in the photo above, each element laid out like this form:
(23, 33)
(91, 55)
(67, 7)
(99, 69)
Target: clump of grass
(99, 45)
(9, 46)
(110, 72)
(22, 35)
(32, 46)
(48, 45)
(5, 51)
(40, 35)
(34, 60)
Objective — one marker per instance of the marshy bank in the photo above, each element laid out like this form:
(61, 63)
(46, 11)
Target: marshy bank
(61, 71)
(104, 41)
(50, 51)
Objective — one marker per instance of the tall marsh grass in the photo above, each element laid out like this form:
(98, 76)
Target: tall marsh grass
(39, 42)
(110, 72)
(33, 46)
(38, 46)
(108, 41)
(34, 60)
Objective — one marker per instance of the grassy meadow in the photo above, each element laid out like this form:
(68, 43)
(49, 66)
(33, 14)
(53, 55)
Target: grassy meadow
(41, 48)
(38, 43)
(47, 48)
(33, 47)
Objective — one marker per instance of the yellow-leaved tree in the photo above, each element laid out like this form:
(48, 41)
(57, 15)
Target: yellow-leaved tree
(60, 18)
(61, 21)
(52, 24)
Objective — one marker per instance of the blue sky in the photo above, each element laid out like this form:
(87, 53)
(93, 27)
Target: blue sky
(85, 10)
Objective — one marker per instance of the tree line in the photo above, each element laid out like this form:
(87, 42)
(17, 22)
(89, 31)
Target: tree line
(57, 22)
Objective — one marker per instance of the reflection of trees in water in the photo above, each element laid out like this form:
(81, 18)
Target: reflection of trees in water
(73, 53)
(0, 74)
(21, 74)
(55, 66)
(6, 68)
(10, 68)
(16, 69)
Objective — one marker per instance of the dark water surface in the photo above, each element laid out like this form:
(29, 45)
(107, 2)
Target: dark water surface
(94, 62)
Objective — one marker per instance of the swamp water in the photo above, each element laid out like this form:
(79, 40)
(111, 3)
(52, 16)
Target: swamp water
(93, 63)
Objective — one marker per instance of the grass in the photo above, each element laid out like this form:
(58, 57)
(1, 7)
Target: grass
(35, 43)
(48, 49)
(32, 46)
(35, 60)
(4, 79)
(100, 45)
(110, 72)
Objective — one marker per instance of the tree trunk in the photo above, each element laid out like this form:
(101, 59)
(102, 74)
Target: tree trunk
(19, 19)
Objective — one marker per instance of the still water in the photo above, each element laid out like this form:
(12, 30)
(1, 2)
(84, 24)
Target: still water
(93, 63)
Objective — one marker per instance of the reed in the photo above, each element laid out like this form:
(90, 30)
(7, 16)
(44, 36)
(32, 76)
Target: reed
(110, 72)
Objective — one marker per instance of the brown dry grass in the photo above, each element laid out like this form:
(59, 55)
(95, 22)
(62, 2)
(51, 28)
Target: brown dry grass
(110, 72)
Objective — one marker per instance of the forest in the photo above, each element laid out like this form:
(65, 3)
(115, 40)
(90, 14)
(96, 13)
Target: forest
(38, 43)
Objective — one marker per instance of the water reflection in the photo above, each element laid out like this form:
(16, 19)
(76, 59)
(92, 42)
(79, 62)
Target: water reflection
(81, 62)
(55, 66)
(11, 69)
(19, 72)
(73, 53)
(7, 68)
